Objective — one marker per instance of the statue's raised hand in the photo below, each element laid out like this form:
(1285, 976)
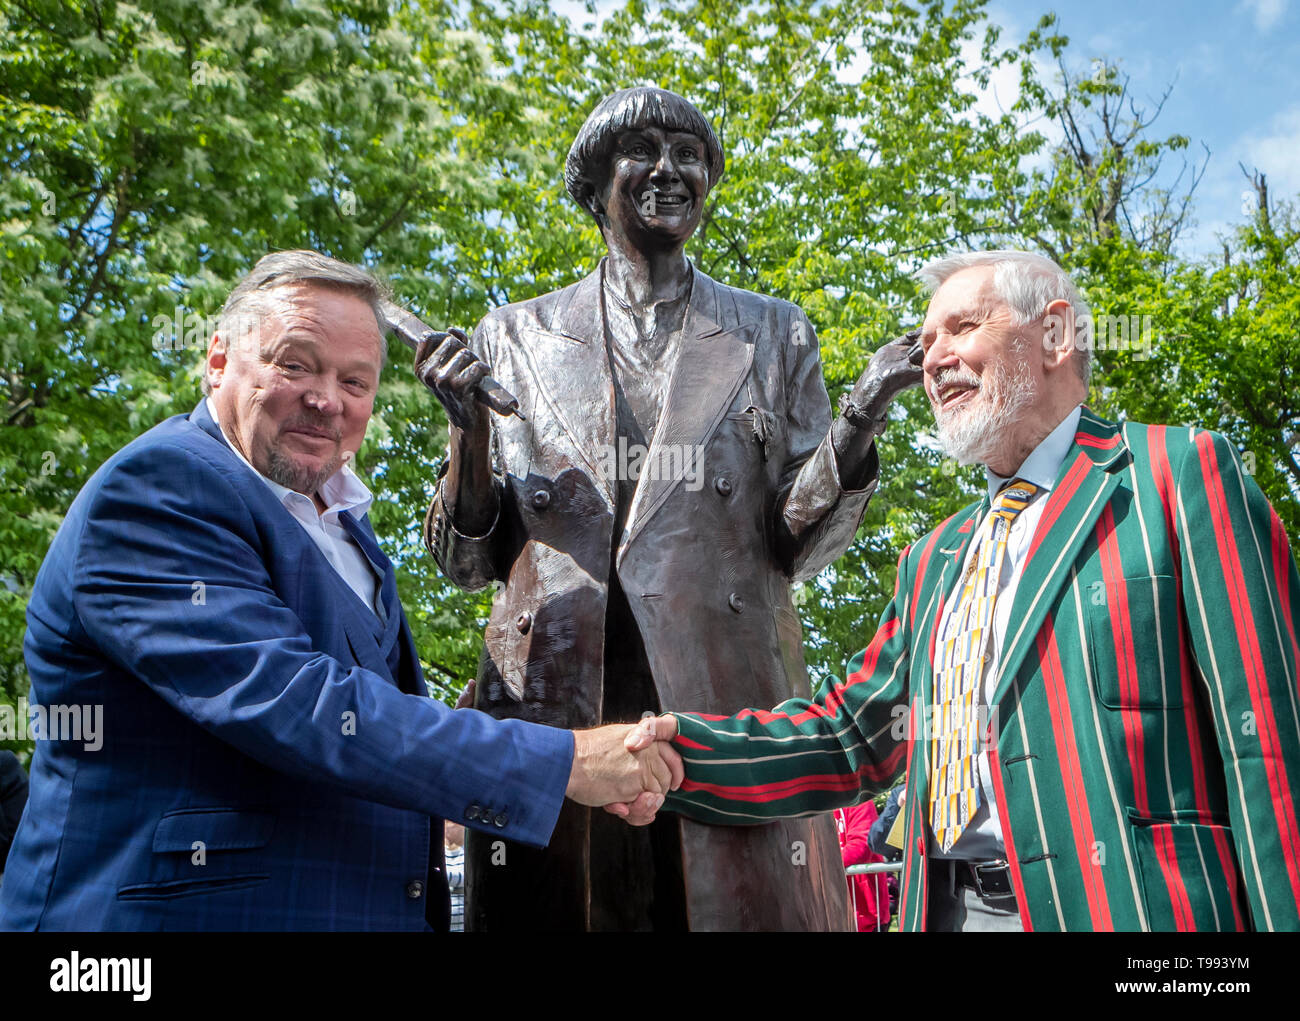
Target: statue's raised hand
(445, 364)
(893, 368)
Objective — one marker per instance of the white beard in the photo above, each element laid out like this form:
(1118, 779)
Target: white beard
(974, 434)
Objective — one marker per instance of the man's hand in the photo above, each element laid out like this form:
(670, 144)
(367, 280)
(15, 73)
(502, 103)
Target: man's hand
(612, 764)
(893, 368)
(650, 733)
(452, 371)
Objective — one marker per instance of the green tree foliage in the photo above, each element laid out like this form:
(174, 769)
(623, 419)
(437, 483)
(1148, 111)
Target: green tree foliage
(151, 152)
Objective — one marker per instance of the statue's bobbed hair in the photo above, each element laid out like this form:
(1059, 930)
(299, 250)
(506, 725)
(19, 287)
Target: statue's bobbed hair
(645, 106)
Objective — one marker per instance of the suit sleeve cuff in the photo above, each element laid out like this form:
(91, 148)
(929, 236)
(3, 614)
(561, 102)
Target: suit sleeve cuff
(534, 806)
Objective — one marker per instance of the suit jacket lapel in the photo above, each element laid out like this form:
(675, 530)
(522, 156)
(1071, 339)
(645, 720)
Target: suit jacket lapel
(286, 530)
(573, 353)
(201, 417)
(1089, 475)
(713, 360)
(365, 538)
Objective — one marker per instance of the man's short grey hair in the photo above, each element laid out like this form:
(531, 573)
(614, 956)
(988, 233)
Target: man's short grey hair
(1027, 282)
(253, 297)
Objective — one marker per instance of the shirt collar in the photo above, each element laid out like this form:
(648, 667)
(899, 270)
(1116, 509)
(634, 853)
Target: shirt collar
(1044, 464)
(342, 491)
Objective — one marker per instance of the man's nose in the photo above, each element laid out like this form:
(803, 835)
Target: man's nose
(324, 395)
(936, 355)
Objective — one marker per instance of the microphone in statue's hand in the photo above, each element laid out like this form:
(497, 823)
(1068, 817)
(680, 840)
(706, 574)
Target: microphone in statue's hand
(413, 332)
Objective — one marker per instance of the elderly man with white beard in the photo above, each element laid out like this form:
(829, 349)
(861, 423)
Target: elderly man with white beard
(1089, 675)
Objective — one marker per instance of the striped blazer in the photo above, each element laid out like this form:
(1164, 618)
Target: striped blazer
(1144, 735)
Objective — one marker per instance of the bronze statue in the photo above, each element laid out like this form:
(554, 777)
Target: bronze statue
(672, 469)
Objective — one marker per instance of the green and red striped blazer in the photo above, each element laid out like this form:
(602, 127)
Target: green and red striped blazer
(1145, 730)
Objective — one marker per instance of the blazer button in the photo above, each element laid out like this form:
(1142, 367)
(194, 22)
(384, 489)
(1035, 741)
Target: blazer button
(473, 812)
(736, 603)
(541, 499)
(415, 889)
(500, 821)
(722, 485)
(523, 622)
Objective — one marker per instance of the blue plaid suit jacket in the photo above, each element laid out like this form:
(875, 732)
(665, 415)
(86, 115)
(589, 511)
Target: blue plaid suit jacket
(267, 756)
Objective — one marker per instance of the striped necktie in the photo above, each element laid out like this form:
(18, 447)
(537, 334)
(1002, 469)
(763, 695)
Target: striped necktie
(954, 741)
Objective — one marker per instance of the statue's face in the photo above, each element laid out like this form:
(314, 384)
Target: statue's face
(656, 187)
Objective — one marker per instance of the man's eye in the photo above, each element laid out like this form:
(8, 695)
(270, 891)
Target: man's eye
(687, 154)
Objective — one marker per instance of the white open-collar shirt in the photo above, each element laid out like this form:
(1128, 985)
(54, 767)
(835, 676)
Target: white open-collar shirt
(342, 491)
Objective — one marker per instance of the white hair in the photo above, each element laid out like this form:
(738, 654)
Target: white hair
(1027, 283)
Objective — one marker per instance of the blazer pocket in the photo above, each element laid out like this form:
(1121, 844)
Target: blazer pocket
(205, 850)
(1133, 642)
(764, 428)
(1188, 873)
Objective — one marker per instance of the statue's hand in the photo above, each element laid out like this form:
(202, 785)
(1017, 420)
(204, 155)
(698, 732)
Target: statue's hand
(893, 368)
(445, 364)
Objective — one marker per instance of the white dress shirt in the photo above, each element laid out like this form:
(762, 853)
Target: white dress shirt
(342, 491)
(982, 838)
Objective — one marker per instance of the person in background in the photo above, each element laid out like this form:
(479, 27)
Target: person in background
(13, 797)
(868, 894)
(453, 854)
(879, 835)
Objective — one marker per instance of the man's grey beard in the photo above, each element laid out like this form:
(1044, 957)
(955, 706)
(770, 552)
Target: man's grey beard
(972, 435)
(283, 470)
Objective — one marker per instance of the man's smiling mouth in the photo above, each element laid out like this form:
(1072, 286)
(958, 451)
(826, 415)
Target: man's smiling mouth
(954, 393)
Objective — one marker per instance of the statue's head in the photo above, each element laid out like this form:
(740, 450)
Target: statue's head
(644, 161)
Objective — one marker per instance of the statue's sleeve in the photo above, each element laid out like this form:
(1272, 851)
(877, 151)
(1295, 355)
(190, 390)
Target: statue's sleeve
(469, 561)
(817, 515)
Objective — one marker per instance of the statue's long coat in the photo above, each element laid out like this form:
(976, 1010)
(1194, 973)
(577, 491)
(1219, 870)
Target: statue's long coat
(706, 561)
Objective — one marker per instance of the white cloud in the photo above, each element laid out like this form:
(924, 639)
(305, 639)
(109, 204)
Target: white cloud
(1277, 152)
(1224, 196)
(1266, 13)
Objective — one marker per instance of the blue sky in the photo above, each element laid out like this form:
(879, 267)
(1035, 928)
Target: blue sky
(1235, 71)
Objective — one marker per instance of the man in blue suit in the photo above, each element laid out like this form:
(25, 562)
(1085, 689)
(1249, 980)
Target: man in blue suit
(267, 756)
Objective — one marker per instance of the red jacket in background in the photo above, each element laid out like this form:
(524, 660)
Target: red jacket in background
(868, 895)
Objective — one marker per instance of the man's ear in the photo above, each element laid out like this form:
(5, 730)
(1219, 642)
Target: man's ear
(216, 364)
(1059, 334)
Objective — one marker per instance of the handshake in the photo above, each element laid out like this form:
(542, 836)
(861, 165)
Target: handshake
(626, 768)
